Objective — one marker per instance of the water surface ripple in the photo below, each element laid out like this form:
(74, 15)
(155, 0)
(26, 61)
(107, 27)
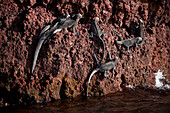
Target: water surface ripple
(127, 101)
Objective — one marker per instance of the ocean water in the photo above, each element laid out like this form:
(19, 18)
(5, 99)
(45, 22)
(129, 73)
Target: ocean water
(131, 100)
(159, 80)
(138, 100)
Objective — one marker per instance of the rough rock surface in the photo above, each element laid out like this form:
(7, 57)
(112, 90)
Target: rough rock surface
(66, 61)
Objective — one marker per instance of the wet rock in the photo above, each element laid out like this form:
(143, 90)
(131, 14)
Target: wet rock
(66, 61)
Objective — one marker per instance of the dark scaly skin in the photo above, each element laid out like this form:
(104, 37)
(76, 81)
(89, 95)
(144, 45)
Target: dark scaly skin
(95, 30)
(40, 42)
(103, 68)
(54, 26)
(128, 42)
(44, 30)
(45, 33)
(48, 33)
(70, 23)
(137, 40)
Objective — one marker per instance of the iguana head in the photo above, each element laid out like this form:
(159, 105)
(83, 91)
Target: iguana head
(67, 16)
(77, 16)
(139, 39)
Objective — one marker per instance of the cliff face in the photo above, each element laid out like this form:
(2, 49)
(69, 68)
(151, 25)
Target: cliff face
(66, 61)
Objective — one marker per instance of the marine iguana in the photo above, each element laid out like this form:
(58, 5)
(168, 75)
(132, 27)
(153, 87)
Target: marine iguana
(67, 23)
(49, 29)
(103, 67)
(58, 25)
(95, 31)
(128, 42)
(137, 40)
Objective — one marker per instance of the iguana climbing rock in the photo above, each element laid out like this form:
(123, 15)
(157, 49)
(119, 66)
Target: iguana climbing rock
(110, 65)
(137, 40)
(55, 27)
(51, 26)
(95, 31)
(128, 42)
(73, 22)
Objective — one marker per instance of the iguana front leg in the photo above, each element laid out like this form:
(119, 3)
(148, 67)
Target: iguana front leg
(128, 49)
(50, 34)
(74, 31)
(136, 45)
(144, 40)
(96, 58)
(113, 69)
(90, 34)
(110, 58)
(47, 39)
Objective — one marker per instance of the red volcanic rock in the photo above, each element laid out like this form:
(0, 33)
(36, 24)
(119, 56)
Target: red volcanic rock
(32, 2)
(66, 61)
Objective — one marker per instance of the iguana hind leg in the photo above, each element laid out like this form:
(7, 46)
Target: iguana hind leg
(90, 35)
(106, 75)
(109, 55)
(96, 58)
(44, 30)
(128, 49)
(74, 31)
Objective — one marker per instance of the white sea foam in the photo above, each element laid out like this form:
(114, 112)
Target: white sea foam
(130, 86)
(159, 77)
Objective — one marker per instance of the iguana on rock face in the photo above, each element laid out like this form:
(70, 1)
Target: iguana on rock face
(103, 68)
(95, 31)
(48, 31)
(130, 42)
(137, 40)
(49, 28)
(70, 23)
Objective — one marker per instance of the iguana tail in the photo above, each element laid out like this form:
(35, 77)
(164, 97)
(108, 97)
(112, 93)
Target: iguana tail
(103, 48)
(40, 42)
(119, 42)
(44, 30)
(94, 71)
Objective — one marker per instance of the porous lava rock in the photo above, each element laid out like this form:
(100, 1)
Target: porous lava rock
(66, 61)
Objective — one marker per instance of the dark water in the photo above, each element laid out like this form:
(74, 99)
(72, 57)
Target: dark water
(127, 101)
